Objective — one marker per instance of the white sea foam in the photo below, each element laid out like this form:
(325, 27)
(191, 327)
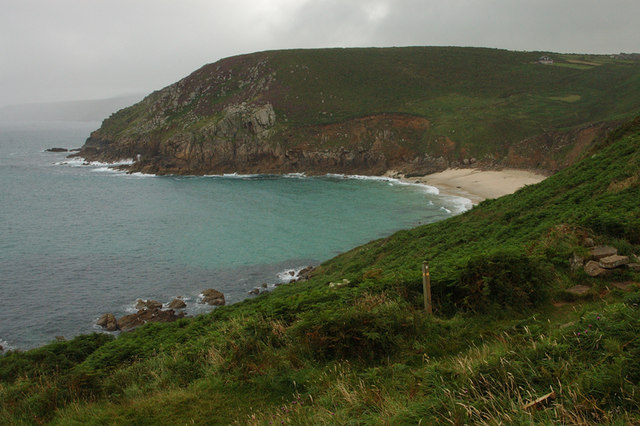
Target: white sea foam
(289, 275)
(5, 346)
(428, 189)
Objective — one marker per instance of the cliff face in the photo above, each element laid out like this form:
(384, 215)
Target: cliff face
(415, 110)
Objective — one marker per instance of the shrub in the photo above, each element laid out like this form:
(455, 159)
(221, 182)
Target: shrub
(503, 278)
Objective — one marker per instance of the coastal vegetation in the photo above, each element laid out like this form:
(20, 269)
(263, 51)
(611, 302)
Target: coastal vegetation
(510, 341)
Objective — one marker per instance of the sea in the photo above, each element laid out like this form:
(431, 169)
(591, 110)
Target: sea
(81, 239)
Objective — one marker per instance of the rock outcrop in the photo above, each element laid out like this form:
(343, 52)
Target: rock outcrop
(213, 297)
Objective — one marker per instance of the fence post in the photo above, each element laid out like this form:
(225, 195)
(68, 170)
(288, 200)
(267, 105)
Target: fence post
(426, 287)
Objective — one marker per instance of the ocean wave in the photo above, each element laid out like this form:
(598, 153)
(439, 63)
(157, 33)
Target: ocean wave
(456, 205)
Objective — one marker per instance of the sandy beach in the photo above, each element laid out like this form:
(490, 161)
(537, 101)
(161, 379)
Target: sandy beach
(476, 184)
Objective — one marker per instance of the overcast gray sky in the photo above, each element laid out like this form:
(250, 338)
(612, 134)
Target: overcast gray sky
(88, 49)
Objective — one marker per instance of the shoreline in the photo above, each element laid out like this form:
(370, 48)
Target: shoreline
(474, 184)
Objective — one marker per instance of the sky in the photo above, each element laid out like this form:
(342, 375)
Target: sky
(90, 49)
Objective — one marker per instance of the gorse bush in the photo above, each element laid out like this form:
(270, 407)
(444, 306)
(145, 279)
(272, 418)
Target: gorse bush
(502, 279)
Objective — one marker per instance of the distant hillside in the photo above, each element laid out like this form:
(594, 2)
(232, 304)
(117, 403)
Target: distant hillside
(89, 110)
(415, 109)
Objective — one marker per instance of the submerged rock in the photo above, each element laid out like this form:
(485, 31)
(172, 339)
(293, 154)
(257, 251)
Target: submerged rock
(57, 150)
(213, 297)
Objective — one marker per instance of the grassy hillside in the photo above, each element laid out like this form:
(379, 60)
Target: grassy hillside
(477, 103)
(505, 329)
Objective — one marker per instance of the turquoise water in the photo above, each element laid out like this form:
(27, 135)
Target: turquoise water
(80, 240)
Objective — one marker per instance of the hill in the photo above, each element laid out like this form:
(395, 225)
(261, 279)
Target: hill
(415, 109)
(353, 345)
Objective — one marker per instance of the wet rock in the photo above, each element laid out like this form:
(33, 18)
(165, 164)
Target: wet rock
(264, 285)
(177, 304)
(255, 291)
(612, 262)
(148, 304)
(593, 269)
(213, 297)
(599, 252)
(108, 322)
(129, 322)
(57, 150)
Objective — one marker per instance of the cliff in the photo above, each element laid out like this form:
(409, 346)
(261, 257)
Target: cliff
(416, 110)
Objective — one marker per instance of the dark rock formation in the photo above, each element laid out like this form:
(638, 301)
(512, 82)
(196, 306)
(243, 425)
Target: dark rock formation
(213, 297)
(129, 322)
(108, 322)
(57, 150)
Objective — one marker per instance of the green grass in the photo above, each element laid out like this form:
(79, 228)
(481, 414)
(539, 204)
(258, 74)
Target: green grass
(366, 353)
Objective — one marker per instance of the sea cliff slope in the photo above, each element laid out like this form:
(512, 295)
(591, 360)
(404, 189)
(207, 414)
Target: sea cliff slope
(416, 110)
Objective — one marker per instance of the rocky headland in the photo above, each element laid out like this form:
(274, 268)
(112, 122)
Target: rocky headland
(360, 111)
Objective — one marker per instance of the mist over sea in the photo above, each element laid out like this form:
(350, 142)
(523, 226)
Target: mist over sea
(77, 240)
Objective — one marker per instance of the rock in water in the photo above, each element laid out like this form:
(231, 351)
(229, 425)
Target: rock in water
(177, 304)
(57, 150)
(614, 261)
(148, 304)
(213, 297)
(108, 322)
(129, 322)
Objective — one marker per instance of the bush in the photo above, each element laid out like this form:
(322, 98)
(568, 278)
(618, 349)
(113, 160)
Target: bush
(504, 278)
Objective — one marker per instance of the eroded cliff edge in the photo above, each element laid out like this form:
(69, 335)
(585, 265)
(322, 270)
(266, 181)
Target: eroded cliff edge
(365, 111)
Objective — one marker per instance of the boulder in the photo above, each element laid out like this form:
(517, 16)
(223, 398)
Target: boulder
(108, 322)
(148, 304)
(177, 303)
(634, 266)
(143, 316)
(599, 252)
(264, 285)
(593, 269)
(614, 261)
(255, 291)
(588, 242)
(213, 297)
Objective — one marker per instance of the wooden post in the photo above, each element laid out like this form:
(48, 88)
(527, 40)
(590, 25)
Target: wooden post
(426, 287)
